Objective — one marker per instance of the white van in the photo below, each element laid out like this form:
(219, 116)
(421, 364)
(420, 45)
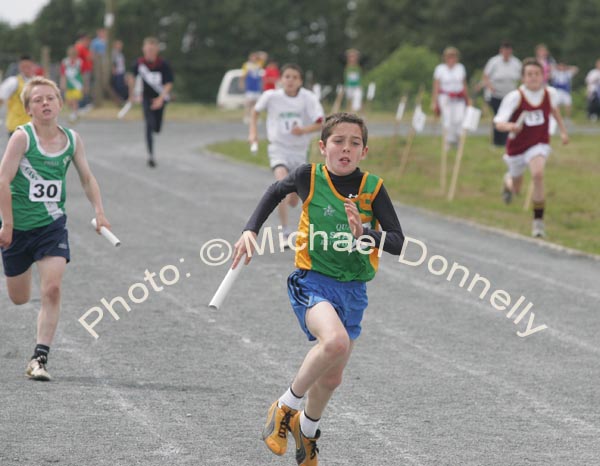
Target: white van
(230, 95)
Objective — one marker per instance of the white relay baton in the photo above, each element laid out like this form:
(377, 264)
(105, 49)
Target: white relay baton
(107, 234)
(225, 287)
(124, 110)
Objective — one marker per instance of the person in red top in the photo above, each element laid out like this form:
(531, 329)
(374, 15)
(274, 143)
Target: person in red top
(271, 76)
(525, 113)
(82, 45)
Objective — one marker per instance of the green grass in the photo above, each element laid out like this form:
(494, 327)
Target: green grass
(176, 111)
(572, 181)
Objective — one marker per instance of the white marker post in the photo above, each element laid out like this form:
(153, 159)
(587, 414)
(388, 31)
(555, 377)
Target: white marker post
(317, 90)
(107, 234)
(357, 98)
(225, 287)
(337, 104)
(124, 110)
(418, 125)
(401, 108)
(371, 91)
(470, 123)
(394, 141)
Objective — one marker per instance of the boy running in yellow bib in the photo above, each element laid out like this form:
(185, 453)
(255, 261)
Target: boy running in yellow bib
(32, 197)
(328, 290)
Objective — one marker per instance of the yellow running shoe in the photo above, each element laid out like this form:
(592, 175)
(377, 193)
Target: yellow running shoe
(278, 423)
(306, 448)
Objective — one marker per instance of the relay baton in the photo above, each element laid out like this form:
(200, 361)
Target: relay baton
(107, 234)
(124, 110)
(225, 287)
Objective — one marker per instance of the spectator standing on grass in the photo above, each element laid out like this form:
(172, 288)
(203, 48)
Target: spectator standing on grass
(542, 55)
(83, 52)
(71, 82)
(449, 97)
(592, 82)
(500, 76)
(352, 80)
(271, 75)
(119, 68)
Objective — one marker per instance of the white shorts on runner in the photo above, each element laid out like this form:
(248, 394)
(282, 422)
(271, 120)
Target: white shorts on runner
(517, 164)
(563, 98)
(285, 157)
(252, 95)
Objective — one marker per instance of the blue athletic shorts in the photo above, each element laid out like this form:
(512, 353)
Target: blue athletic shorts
(30, 246)
(349, 299)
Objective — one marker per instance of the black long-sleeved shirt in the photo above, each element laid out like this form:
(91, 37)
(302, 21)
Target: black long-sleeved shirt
(299, 180)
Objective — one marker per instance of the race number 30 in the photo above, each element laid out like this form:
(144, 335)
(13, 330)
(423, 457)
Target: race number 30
(45, 190)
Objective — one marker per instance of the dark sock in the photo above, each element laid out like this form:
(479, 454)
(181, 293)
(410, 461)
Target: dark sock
(538, 209)
(41, 351)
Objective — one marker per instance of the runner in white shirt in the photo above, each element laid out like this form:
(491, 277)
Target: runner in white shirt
(292, 114)
(449, 95)
(561, 77)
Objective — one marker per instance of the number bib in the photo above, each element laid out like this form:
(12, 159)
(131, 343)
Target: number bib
(287, 124)
(534, 118)
(45, 190)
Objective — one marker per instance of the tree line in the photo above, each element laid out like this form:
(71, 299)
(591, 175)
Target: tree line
(204, 38)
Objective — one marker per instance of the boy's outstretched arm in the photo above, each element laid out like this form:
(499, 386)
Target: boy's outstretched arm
(89, 184)
(271, 198)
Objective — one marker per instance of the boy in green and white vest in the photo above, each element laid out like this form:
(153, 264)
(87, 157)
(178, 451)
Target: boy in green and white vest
(33, 221)
(347, 217)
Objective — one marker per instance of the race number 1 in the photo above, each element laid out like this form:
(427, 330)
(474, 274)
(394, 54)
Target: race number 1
(45, 190)
(286, 125)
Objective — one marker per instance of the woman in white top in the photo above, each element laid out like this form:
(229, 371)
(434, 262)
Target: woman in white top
(449, 96)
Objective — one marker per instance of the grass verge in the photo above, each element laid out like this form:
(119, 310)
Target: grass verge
(572, 184)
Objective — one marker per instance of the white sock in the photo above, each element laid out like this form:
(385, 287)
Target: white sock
(308, 426)
(290, 400)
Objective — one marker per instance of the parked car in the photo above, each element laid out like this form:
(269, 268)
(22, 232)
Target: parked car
(230, 95)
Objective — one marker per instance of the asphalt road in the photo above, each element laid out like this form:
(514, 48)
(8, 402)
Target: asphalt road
(439, 376)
